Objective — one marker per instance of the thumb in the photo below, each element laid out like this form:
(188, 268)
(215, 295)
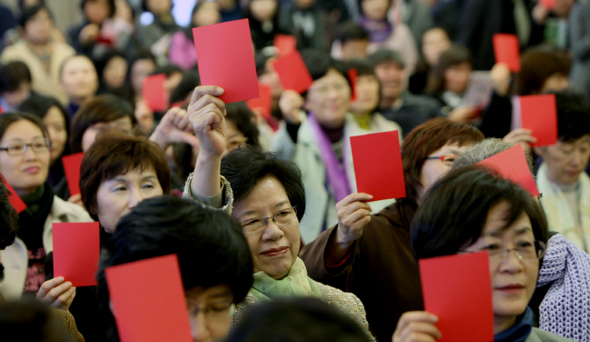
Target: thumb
(185, 137)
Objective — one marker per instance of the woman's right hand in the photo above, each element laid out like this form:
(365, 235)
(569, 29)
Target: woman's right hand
(206, 113)
(290, 104)
(57, 293)
(501, 77)
(416, 326)
(353, 215)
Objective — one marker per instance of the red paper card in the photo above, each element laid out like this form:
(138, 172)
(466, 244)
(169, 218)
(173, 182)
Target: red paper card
(148, 307)
(15, 201)
(352, 76)
(539, 114)
(458, 290)
(293, 73)
(548, 4)
(76, 252)
(226, 59)
(378, 165)
(72, 164)
(285, 43)
(154, 92)
(512, 165)
(263, 103)
(507, 50)
(1, 110)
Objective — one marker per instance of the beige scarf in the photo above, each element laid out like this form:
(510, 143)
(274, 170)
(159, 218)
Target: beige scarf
(296, 283)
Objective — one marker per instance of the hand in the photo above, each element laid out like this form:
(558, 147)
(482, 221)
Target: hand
(463, 114)
(174, 128)
(57, 294)
(521, 136)
(290, 104)
(89, 33)
(144, 116)
(76, 199)
(501, 76)
(353, 215)
(206, 113)
(416, 326)
(540, 13)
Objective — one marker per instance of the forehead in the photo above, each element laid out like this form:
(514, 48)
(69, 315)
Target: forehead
(76, 63)
(199, 293)
(496, 222)
(22, 129)
(267, 195)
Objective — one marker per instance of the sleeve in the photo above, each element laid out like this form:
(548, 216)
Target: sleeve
(496, 118)
(223, 201)
(65, 324)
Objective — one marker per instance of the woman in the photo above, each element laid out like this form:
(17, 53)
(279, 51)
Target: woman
(263, 16)
(40, 53)
(156, 36)
(471, 210)
(269, 202)
(371, 255)
(56, 120)
(24, 163)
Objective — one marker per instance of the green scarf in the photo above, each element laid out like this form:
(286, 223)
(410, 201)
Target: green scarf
(296, 283)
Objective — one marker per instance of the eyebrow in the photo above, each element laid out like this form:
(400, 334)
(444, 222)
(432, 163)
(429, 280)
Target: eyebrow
(519, 231)
(253, 212)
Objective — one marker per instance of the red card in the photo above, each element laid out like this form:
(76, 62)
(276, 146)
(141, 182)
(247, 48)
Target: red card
(15, 201)
(539, 114)
(548, 4)
(512, 165)
(293, 73)
(352, 76)
(1, 110)
(378, 165)
(154, 92)
(226, 58)
(76, 252)
(285, 43)
(263, 103)
(458, 290)
(507, 50)
(72, 164)
(148, 307)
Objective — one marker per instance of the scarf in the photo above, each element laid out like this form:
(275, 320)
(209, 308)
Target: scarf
(519, 331)
(32, 221)
(558, 212)
(335, 171)
(379, 31)
(296, 283)
(565, 309)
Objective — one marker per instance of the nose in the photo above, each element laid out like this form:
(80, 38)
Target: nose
(29, 154)
(135, 197)
(199, 329)
(272, 232)
(512, 263)
(576, 158)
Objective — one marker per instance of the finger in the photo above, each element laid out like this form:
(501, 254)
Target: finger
(420, 331)
(208, 118)
(57, 291)
(48, 285)
(200, 91)
(207, 99)
(415, 316)
(354, 197)
(185, 137)
(360, 223)
(355, 216)
(65, 300)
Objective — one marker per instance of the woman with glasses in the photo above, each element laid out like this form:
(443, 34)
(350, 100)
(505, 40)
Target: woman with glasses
(266, 195)
(24, 163)
(471, 210)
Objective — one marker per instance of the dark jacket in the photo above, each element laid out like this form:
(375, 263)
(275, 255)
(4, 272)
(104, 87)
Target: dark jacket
(381, 269)
(415, 110)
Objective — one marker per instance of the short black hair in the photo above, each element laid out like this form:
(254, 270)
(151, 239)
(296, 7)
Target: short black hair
(12, 75)
(245, 166)
(302, 319)
(30, 12)
(351, 31)
(8, 218)
(210, 246)
(190, 80)
(317, 62)
(455, 210)
(362, 66)
(39, 105)
(573, 116)
(385, 56)
(245, 121)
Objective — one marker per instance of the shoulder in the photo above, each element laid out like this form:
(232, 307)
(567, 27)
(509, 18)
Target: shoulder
(538, 335)
(344, 300)
(64, 322)
(68, 212)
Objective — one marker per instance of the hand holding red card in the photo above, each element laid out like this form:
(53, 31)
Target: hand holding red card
(293, 73)
(458, 289)
(539, 114)
(507, 50)
(15, 201)
(154, 92)
(263, 103)
(76, 252)
(72, 164)
(378, 165)
(148, 307)
(512, 165)
(285, 43)
(225, 56)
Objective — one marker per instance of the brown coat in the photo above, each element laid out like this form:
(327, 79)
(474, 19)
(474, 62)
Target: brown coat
(381, 269)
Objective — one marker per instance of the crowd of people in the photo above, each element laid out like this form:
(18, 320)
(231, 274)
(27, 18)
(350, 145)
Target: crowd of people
(263, 211)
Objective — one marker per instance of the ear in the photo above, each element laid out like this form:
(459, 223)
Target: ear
(540, 151)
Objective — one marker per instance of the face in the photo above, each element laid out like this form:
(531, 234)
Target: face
(434, 42)
(375, 9)
(367, 95)
(274, 248)
(56, 126)
(114, 72)
(513, 278)
(329, 98)
(270, 77)
(123, 124)
(28, 171)
(304, 4)
(37, 29)
(159, 7)
(208, 14)
(555, 83)
(172, 82)
(97, 11)
(15, 98)
(140, 69)
(457, 77)
(391, 76)
(433, 169)
(355, 49)
(233, 137)
(566, 161)
(119, 195)
(79, 79)
(263, 10)
(209, 312)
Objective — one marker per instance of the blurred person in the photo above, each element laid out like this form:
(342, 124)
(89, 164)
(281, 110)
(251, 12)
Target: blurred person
(416, 14)
(351, 43)
(579, 38)
(230, 10)
(156, 35)
(306, 20)
(141, 65)
(554, 22)
(434, 42)
(263, 16)
(79, 80)
(267, 75)
(15, 85)
(84, 36)
(42, 55)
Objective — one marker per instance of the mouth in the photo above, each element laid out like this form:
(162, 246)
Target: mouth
(275, 251)
(510, 289)
(32, 170)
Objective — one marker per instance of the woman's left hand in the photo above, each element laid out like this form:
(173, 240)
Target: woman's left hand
(57, 293)
(174, 128)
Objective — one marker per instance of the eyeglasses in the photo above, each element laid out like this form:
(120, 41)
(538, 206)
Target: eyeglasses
(18, 148)
(447, 159)
(215, 312)
(524, 250)
(281, 218)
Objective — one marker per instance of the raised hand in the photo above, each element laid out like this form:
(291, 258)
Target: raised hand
(206, 113)
(57, 293)
(290, 104)
(174, 128)
(353, 215)
(521, 136)
(416, 326)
